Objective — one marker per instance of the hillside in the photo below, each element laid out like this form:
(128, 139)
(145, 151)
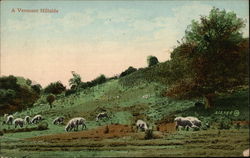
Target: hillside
(127, 103)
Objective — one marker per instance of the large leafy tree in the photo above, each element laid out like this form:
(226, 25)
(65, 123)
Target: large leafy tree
(210, 56)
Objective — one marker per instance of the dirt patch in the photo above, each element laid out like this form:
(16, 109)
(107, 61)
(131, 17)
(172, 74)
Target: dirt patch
(242, 123)
(166, 127)
(108, 131)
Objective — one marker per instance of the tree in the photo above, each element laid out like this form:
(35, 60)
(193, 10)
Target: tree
(99, 80)
(28, 82)
(55, 88)
(75, 81)
(210, 56)
(128, 71)
(50, 99)
(152, 60)
(37, 88)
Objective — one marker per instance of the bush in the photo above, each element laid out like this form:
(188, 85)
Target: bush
(55, 88)
(152, 60)
(43, 125)
(148, 134)
(69, 92)
(128, 71)
(225, 124)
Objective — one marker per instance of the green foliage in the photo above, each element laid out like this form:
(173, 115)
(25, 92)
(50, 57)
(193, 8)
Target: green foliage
(37, 88)
(14, 96)
(69, 92)
(128, 71)
(212, 56)
(75, 81)
(50, 99)
(43, 125)
(28, 82)
(55, 88)
(149, 134)
(99, 80)
(160, 73)
(6, 96)
(225, 124)
(9, 82)
(152, 60)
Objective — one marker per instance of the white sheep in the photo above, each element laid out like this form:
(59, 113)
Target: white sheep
(58, 120)
(18, 122)
(246, 153)
(36, 119)
(146, 96)
(101, 116)
(183, 122)
(27, 119)
(195, 121)
(140, 124)
(9, 119)
(74, 123)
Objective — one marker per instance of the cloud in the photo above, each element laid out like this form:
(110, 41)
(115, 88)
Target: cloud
(76, 20)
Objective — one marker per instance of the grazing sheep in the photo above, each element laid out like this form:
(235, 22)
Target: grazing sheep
(27, 120)
(195, 121)
(101, 116)
(18, 122)
(141, 125)
(246, 153)
(74, 123)
(183, 122)
(58, 120)
(146, 96)
(9, 120)
(36, 119)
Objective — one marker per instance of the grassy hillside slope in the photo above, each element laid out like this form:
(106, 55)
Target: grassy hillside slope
(126, 102)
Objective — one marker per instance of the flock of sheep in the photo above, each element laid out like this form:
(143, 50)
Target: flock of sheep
(9, 120)
(74, 123)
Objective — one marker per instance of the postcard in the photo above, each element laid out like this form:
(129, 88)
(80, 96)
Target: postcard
(124, 78)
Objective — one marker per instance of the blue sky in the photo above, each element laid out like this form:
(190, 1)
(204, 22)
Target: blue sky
(96, 37)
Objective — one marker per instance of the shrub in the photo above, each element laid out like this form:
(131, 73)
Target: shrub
(128, 71)
(69, 92)
(50, 99)
(55, 88)
(225, 124)
(148, 134)
(152, 60)
(43, 125)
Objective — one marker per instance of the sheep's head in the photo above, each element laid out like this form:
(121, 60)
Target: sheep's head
(178, 119)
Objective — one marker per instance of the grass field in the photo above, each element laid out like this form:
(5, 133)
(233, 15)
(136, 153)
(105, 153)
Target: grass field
(226, 143)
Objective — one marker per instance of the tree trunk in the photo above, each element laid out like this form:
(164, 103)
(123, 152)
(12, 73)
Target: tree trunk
(50, 105)
(209, 100)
